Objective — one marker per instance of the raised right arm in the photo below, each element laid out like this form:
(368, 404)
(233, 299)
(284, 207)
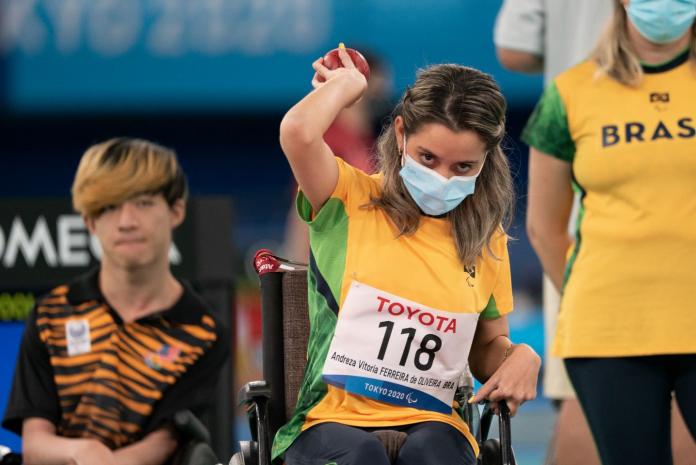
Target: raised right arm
(303, 127)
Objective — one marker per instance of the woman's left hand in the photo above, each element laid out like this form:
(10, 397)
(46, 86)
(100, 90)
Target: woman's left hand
(515, 380)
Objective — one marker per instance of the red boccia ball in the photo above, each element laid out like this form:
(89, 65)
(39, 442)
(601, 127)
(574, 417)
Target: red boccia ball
(333, 61)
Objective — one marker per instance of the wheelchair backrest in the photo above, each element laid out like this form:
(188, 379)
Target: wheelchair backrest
(295, 334)
(285, 319)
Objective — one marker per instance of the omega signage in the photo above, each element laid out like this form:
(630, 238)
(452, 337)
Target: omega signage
(43, 243)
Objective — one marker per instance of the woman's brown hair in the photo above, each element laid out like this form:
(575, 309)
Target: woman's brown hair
(461, 99)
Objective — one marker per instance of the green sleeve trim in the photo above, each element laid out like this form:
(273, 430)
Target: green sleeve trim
(330, 215)
(491, 311)
(547, 129)
(578, 237)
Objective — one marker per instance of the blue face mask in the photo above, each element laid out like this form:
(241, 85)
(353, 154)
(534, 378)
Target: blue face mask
(432, 192)
(662, 21)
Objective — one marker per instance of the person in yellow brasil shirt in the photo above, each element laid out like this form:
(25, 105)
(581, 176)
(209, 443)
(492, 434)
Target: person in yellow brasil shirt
(621, 129)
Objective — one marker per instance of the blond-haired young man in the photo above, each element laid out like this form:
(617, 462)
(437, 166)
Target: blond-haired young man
(107, 359)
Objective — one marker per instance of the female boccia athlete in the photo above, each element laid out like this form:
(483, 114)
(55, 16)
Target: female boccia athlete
(409, 272)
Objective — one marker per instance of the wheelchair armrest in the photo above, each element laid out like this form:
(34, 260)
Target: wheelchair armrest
(254, 391)
(190, 427)
(194, 440)
(505, 436)
(195, 453)
(506, 455)
(254, 396)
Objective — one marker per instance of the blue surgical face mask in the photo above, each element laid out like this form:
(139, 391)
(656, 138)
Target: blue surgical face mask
(662, 21)
(432, 192)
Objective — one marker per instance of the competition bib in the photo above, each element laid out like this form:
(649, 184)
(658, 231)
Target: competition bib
(395, 350)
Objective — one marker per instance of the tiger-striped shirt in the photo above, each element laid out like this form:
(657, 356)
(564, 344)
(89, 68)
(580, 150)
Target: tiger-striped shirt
(95, 376)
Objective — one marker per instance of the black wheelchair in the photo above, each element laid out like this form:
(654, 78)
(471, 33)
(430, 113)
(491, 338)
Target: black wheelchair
(270, 403)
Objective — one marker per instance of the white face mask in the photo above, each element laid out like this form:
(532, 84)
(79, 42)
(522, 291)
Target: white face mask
(432, 192)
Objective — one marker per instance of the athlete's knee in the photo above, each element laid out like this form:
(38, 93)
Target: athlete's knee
(370, 450)
(431, 433)
(436, 443)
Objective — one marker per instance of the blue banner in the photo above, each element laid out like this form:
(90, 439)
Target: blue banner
(389, 392)
(250, 55)
(10, 337)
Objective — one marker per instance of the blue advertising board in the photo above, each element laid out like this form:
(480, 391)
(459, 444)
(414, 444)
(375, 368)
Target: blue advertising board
(221, 55)
(10, 336)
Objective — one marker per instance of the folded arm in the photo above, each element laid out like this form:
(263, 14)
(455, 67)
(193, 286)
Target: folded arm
(42, 446)
(153, 449)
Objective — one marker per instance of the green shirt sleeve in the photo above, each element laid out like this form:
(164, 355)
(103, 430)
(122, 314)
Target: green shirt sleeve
(334, 211)
(332, 214)
(547, 128)
(491, 311)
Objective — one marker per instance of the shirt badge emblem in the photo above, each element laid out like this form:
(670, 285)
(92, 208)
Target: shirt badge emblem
(78, 337)
(157, 358)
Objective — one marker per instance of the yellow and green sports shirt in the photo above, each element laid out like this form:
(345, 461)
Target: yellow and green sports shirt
(629, 280)
(352, 245)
